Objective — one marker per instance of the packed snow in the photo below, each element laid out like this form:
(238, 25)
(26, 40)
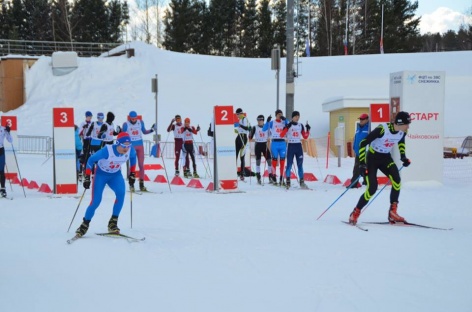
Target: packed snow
(258, 250)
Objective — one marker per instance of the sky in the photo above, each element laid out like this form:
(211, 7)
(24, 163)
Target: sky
(442, 15)
(258, 250)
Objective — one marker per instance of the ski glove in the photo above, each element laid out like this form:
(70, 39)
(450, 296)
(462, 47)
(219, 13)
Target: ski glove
(283, 118)
(132, 178)
(406, 161)
(86, 183)
(307, 126)
(118, 129)
(7, 128)
(269, 118)
(198, 128)
(363, 170)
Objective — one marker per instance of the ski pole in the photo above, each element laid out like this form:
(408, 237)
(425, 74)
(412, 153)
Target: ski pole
(19, 173)
(208, 163)
(131, 206)
(347, 189)
(165, 170)
(9, 180)
(370, 202)
(81, 197)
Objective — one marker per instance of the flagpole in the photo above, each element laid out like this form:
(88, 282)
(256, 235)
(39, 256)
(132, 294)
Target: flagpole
(382, 32)
(345, 36)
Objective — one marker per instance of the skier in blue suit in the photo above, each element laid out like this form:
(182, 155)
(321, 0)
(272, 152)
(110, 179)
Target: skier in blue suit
(108, 162)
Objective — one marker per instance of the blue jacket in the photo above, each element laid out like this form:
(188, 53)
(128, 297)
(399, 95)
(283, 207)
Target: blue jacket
(361, 134)
(78, 141)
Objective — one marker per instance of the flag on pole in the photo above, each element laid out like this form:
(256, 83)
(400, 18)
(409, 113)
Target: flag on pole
(307, 47)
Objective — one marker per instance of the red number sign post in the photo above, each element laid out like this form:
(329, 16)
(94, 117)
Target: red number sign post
(65, 163)
(11, 167)
(225, 150)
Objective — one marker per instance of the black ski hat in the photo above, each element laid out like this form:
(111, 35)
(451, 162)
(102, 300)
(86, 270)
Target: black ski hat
(402, 118)
(110, 117)
(260, 117)
(239, 111)
(279, 111)
(295, 113)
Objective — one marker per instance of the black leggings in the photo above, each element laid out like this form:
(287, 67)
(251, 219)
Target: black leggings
(241, 141)
(388, 167)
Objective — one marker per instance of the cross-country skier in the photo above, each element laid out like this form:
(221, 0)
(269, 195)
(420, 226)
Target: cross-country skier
(136, 128)
(4, 134)
(177, 128)
(94, 133)
(362, 130)
(83, 129)
(108, 162)
(377, 157)
(242, 129)
(78, 152)
(188, 150)
(107, 130)
(260, 147)
(295, 131)
(278, 146)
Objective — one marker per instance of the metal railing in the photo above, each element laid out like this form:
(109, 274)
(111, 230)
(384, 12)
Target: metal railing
(28, 144)
(37, 48)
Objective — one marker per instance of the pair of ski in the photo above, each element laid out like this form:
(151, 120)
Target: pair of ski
(6, 197)
(130, 239)
(360, 227)
(142, 192)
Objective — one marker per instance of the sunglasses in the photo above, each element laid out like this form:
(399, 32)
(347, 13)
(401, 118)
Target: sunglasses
(125, 145)
(363, 118)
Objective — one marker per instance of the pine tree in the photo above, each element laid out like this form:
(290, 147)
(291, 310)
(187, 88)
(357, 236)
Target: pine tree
(178, 22)
(265, 33)
(279, 25)
(249, 24)
(222, 19)
(115, 18)
(400, 26)
(5, 23)
(62, 27)
(18, 30)
(301, 26)
(330, 27)
(91, 19)
(200, 37)
(37, 21)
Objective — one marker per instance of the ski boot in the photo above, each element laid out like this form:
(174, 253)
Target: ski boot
(195, 175)
(177, 172)
(187, 173)
(287, 184)
(3, 192)
(131, 188)
(354, 216)
(281, 181)
(273, 179)
(82, 228)
(258, 175)
(79, 176)
(142, 188)
(393, 216)
(303, 184)
(113, 225)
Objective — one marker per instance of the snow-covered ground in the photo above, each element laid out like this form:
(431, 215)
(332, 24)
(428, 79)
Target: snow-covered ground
(259, 250)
